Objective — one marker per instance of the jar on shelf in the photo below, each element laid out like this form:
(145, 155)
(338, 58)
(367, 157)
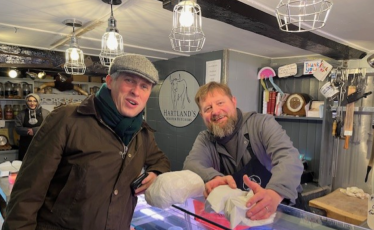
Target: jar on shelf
(31, 88)
(14, 92)
(2, 93)
(16, 109)
(17, 91)
(8, 90)
(8, 112)
(1, 113)
(25, 89)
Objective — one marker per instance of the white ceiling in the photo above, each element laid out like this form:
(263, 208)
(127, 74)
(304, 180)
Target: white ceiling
(145, 27)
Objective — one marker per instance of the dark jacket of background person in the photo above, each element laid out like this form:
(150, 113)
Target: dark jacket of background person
(82, 178)
(22, 125)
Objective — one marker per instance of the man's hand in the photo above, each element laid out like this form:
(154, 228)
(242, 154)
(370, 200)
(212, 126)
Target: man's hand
(217, 181)
(30, 132)
(146, 183)
(264, 201)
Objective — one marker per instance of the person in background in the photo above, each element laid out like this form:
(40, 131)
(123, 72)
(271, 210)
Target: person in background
(239, 149)
(79, 167)
(28, 121)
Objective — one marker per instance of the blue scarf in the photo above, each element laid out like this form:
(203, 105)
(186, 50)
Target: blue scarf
(125, 127)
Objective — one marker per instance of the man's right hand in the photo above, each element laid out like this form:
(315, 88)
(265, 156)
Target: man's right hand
(217, 181)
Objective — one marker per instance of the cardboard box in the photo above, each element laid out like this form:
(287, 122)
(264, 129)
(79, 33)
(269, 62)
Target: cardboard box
(96, 79)
(80, 78)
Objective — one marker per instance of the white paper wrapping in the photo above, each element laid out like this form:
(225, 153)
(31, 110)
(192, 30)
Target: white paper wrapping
(174, 188)
(233, 203)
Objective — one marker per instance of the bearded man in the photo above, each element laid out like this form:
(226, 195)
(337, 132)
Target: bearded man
(245, 151)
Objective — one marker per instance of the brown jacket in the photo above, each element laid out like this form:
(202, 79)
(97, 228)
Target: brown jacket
(75, 174)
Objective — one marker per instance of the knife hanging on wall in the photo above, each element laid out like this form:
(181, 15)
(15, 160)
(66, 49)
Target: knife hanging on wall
(348, 122)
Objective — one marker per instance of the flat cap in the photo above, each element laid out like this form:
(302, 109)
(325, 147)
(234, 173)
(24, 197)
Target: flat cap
(136, 64)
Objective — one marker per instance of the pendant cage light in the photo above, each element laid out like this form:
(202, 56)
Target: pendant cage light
(74, 58)
(111, 42)
(370, 60)
(187, 34)
(302, 15)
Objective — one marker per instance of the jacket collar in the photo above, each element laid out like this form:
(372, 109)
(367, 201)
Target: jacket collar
(87, 107)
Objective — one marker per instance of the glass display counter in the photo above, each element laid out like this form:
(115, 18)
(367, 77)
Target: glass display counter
(147, 217)
(191, 216)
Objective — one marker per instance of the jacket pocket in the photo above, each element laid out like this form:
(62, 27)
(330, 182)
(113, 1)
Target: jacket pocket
(71, 193)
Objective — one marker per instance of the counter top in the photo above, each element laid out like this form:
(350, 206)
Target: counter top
(191, 215)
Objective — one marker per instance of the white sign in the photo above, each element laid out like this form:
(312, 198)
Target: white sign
(213, 71)
(322, 71)
(287, 70)
(311, 66)
(177, 98)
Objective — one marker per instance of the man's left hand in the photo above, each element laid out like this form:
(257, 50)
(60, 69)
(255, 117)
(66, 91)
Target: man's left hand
(30, 132)
(146, 183)
(264, 201)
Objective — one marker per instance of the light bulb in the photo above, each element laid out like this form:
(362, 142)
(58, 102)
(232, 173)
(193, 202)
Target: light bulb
(111, 42)
(74, 54)
(186, 19)
(12, 73)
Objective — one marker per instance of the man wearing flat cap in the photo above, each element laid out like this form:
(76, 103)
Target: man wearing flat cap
(79, 167)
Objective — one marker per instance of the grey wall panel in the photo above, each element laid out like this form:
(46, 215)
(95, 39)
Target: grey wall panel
(305, 133)
(306, 137)
(242, 79)
(176, 142)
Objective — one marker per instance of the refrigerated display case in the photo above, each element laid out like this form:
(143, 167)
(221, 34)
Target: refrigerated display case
(192, 216)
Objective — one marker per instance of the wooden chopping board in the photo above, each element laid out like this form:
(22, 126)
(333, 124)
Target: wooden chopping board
(341, 207)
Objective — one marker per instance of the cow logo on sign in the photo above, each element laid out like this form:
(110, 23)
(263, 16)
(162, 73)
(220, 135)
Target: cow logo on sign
(176, 98)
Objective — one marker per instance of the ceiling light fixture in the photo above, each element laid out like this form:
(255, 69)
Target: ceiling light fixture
(187, 34)
(111, 42)
(13, 73)
(41, 75)
(370, 60)
(302, 15)
(74, 58)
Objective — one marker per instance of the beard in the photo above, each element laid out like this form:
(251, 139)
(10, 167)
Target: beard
(226, 130)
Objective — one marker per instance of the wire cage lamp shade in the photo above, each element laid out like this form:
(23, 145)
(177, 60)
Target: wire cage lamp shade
(302, 15)
(187, 34)
(111, 42)
(74, 57)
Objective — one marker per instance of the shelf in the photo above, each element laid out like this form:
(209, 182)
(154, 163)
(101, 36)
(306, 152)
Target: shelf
(11, 99)
(74, 82)
(298, 118)
(9, 151)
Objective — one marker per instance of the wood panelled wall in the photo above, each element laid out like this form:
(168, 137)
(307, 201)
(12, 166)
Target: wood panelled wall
(305, 133)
